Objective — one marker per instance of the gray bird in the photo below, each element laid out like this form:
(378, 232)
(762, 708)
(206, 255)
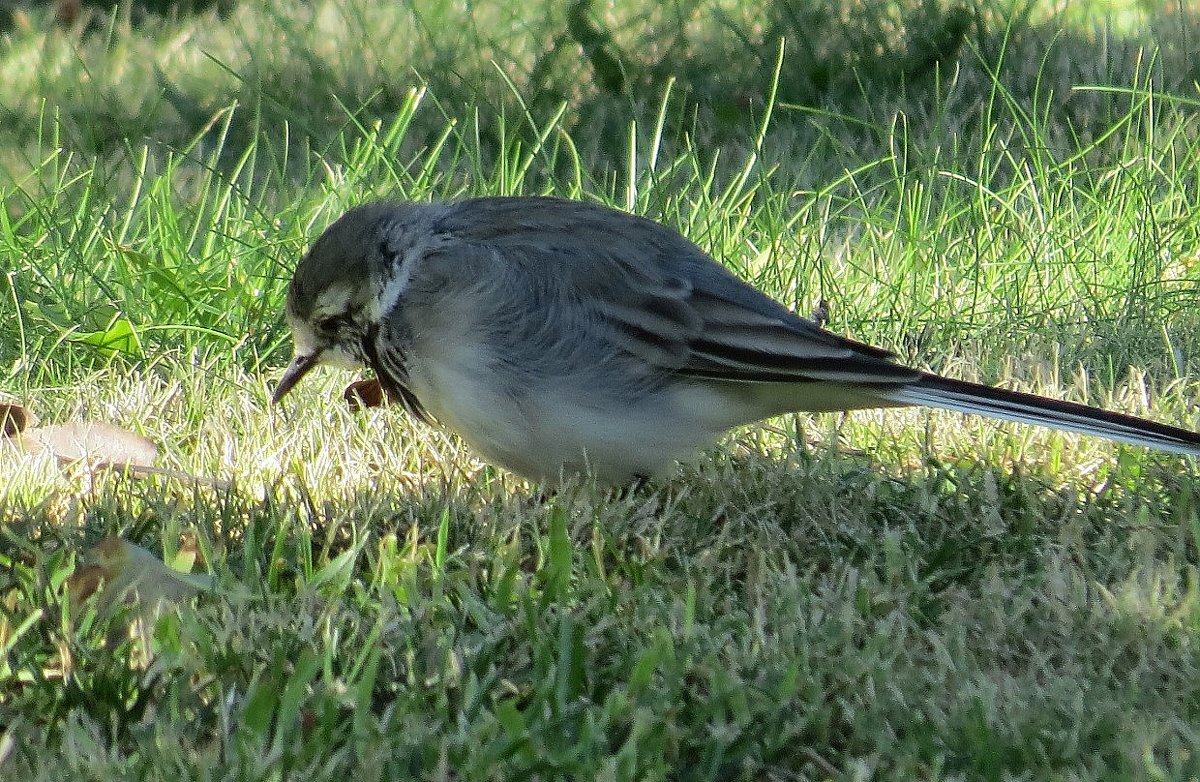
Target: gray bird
(558, 337)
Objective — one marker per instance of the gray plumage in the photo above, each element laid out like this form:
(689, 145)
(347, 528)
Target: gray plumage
(556, 336)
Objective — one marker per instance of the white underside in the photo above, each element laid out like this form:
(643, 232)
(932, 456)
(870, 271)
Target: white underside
(558, 430)
(561, 431)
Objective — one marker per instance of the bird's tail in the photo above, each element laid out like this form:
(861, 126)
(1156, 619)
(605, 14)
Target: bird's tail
(935, 391)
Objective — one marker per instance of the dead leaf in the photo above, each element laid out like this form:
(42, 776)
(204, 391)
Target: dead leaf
(116, 573)
(15, 419)
(85, 582)
(90, 441)
(124, 573)
(101, 445)
(365, 393)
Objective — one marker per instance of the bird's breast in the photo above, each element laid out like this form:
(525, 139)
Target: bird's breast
(544, 427)
(459, 385)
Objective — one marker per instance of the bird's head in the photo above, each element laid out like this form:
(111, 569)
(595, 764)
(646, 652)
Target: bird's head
(340, 287)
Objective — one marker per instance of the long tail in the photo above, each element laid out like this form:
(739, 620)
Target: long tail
(964, 397)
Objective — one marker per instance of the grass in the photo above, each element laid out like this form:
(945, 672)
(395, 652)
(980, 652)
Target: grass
(1004, 194)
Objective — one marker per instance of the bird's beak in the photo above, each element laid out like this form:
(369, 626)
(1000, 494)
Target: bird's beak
(296, 370)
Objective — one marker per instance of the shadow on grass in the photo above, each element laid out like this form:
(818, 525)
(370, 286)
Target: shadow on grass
(817, 610)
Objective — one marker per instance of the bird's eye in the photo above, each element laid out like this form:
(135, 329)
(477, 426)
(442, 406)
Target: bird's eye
(330, 324)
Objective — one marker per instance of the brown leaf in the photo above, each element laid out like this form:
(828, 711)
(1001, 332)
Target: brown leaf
(85, 582)
(114, 575)
(15, 419)
(365, 393)
(123, 572)
(91, 441)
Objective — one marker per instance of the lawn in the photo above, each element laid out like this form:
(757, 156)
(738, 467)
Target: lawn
(1000, 192)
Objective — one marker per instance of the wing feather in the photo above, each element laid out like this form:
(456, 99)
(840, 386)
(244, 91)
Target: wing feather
(657, 296)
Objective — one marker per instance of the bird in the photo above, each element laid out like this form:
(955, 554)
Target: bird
(559, 337)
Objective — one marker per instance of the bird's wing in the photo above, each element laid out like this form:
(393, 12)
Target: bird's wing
(761, 341)
(702, 331)
(659, 297)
